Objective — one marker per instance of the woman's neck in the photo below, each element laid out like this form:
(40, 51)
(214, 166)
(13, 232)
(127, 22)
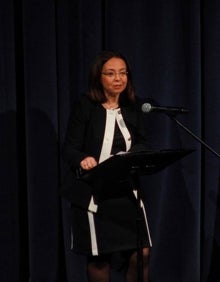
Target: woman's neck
(111, 103)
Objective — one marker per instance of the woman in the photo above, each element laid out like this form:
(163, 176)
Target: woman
(105, 122)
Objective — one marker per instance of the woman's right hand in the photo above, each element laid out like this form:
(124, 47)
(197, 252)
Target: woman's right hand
(88, 163)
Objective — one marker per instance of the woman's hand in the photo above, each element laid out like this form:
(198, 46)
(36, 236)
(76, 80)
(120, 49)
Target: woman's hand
(88, 163)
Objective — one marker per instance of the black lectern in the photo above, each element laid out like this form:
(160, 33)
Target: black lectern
(129, 166)
(122, 166)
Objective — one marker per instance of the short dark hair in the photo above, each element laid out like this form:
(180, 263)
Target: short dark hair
(95, 88)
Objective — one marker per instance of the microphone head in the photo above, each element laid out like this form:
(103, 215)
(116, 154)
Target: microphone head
(146, 108)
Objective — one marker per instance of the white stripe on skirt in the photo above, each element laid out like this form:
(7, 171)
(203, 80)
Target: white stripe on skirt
(93, 234)
(145, 217)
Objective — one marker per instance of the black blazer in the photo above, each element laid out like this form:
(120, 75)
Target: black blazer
(84, 137)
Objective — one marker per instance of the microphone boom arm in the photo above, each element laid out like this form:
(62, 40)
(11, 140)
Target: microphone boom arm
(194, 136)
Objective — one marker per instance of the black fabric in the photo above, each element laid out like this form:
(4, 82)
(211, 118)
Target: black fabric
(115, 221)
(115, 225)
(45, 52)
(118, 142)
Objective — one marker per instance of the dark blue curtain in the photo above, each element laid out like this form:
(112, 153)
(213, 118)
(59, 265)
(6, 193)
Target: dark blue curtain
(46, 48)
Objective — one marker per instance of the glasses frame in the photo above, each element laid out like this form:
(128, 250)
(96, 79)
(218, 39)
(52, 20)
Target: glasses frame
(113, 74)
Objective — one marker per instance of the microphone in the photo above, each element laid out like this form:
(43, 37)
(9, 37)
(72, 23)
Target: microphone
(147, 108)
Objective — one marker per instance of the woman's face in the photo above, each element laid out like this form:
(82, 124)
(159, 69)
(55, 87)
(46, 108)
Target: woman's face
(114, 77)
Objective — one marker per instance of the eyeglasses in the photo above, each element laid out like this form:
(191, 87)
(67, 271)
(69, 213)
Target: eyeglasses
(112, 74)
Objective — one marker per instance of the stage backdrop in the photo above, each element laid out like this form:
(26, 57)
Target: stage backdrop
(46, 48)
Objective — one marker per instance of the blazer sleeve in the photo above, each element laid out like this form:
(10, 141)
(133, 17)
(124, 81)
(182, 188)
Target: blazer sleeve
(75, 134)
(77, 191)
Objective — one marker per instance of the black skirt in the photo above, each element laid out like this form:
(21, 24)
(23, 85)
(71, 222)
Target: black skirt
(112, 228)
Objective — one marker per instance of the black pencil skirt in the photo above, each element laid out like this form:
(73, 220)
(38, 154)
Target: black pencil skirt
(114, 227)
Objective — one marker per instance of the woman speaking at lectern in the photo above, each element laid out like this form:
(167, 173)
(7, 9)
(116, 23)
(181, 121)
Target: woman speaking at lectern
(106, 121)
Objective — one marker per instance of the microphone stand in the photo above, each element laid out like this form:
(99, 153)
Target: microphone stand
(135, 181)
(194, 136)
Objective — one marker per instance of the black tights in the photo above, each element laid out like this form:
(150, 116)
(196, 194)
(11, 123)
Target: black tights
(99, 267)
